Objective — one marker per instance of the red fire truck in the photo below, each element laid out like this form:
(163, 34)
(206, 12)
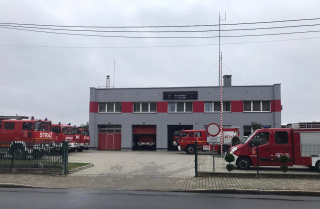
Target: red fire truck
(25, 137)
(84, 138)
(64, 132)
(76, 137)
(187, 139)
(146, 141)
(300, 142)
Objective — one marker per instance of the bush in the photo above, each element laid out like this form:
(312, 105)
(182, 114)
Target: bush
(284, 159)
(284, 168)
(229, 158)
(230, 167)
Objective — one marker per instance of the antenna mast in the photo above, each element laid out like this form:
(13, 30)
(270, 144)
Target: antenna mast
(220, 84)
(225, 18)
(114, 73)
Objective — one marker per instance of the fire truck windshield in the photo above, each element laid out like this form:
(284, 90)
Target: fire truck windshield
(249, 137)
(67, 131)
(42, 126)
(76, 131)
(85, 132)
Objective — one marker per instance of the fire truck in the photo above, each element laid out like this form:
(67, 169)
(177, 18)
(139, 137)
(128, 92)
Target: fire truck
(175, 138)
(76, 137)
(21, 137)
(300, 142)
(64, 132)
(146, 141)
(84, 138)
(187, 139)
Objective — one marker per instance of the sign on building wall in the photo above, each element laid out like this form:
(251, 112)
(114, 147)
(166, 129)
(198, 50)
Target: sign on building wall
(180, 95)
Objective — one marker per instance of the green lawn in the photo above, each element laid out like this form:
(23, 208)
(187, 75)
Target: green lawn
(76, 165)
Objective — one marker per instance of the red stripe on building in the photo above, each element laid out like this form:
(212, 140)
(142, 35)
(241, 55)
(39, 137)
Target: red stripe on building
(93, 107)
(162, 107)
(276, 106)
(198, 106)
(236, 106)
(127, 107)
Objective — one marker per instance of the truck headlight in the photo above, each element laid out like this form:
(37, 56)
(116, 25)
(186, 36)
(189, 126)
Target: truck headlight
(233, 150)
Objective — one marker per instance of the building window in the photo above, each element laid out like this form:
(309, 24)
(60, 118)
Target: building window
(256, 106)
(109, 128)
(180, 106)
(144, 107)
(110, 107)
(247, 130)
(215, 107)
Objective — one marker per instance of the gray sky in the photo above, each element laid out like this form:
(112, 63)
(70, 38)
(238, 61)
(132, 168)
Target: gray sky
(49, 75)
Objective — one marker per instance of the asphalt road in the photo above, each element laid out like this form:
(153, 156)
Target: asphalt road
(70, 198)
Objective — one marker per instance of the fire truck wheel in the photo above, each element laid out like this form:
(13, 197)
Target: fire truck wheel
(19, 153)
(36, 154)
(318, 166)
(190, 149)
(243, 163)
(80, 149)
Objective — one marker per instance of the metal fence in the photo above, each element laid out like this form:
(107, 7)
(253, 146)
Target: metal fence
(207, 161)
(34, 157)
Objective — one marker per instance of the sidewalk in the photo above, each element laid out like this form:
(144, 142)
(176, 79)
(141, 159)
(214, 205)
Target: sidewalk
(152, 183)
(155, 172)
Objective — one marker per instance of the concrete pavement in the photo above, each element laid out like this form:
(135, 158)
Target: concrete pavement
(164, 171)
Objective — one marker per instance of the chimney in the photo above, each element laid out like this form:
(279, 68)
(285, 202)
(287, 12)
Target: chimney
(227, 80)
(108, 81)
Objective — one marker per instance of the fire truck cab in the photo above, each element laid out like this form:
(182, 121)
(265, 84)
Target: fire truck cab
(22, 136)
(187, 139)
(84, 138)
(64, 133)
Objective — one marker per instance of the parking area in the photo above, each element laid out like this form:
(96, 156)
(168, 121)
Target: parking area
(159, 163)
(132, 163)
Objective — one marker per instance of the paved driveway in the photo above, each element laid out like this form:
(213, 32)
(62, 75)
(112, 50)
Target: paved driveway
(131, 163)
(158, 163)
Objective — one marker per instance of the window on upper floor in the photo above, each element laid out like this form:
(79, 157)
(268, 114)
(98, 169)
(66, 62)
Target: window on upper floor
(215, 107)
(256, 106)
(109, 107)
(144, 107)
(179, 107)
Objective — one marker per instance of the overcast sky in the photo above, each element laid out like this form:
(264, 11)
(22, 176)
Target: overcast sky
(49, 75)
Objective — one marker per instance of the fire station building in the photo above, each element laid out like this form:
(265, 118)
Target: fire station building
(120, 117)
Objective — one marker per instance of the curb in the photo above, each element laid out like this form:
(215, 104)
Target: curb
(5, 185)
(80, 168)
(261, 175)
(256, 191)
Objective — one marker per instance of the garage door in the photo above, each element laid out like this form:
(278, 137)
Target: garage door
(109, 137)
